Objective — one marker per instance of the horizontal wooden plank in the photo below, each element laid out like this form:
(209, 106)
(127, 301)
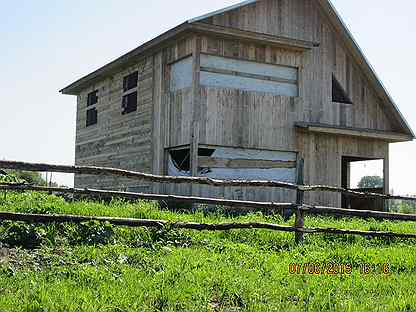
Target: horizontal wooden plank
(249, 67)
(217, 80)
(354, 132)
(247, 75)
(213, 162)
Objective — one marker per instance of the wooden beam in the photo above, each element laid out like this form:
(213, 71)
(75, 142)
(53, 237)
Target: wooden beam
(90, 170)
(353, 132)
(215, 162)
(386, 178)
(49, 218)
(365, 214)
(262, 206)
(244, 35)
(300, 197)
(265, 206)
(196, 107)
(247, 75)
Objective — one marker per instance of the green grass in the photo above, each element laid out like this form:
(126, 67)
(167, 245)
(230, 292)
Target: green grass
(98, 267)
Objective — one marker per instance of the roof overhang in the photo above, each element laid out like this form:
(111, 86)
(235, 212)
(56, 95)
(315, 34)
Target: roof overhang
(244, 35)
(124, 60)
(149, 47)
(391, 137)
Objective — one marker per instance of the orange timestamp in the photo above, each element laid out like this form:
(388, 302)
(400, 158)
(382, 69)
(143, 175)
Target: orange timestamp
(337, 269)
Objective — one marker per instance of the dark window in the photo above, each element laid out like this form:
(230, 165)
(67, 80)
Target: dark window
(91, 117)
(130, 81)
(92, 98)
(129, 103)
(338, 93)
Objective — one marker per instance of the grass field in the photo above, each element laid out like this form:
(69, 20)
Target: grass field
(98, 267)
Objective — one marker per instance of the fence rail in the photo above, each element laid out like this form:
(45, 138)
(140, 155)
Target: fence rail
(299, 207)
(90, 170)
(45, 218)
(255, 205)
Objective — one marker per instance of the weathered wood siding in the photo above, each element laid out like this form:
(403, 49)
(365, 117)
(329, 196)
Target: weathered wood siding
(305, 20)
(119, 141)
(172, 111)
(250, 119)
(261, 120)
(323, 159)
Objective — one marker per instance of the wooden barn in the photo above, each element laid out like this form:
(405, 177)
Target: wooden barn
(241, 93)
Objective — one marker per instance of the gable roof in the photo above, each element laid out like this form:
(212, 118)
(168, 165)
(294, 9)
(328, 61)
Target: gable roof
(342, 28)
(327, 7)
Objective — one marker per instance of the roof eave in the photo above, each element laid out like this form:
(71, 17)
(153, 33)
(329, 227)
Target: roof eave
(75, 87)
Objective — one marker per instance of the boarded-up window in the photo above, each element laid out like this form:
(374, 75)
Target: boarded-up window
(181, 74)
(339, 95)
(91, 117)
(249, 76)
(130, 81)
(129, 103)
(223, 72)
(92, 98)
(235, 163)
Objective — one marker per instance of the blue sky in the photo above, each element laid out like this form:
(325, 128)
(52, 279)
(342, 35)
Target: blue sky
(48, 44)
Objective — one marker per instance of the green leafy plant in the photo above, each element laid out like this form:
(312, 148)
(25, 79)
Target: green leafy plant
(11, 178)
(93, 233)
(20, 234)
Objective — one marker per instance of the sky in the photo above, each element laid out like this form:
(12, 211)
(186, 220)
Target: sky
(45, 45)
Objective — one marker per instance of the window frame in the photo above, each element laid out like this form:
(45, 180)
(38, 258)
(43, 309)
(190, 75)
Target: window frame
(125, 106)
(128, 91)
(127, 80)
(91, 121)
(92, 98)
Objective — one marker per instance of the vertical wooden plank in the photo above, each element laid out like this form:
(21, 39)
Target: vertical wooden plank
(196, 104)
(156, 111)
(300, 221)
(386, 174)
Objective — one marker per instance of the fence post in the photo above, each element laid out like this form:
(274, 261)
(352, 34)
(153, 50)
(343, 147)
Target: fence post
(300, 221)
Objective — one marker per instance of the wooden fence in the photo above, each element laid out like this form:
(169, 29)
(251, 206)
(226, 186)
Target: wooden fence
(299, 207)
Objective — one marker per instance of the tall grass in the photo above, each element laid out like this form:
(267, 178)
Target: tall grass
(97, 267)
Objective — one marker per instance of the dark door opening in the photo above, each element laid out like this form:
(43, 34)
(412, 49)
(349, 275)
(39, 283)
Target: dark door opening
(363, 175)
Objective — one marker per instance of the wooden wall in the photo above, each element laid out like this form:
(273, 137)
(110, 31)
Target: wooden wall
(304, 19)
(172, 112)
(323, 159)
(120, 141)
(250, 119)
(258, 120)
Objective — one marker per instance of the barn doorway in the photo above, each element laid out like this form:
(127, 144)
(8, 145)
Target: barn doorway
(363, 175)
